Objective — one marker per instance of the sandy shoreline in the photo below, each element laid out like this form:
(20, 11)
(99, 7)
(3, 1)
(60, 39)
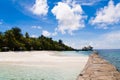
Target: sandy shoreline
(38, 65)
(41, 58)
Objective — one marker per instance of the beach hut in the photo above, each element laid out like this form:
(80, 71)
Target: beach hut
(5, 48)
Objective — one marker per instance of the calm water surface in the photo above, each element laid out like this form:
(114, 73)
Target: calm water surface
(16, 72)
(111, 55)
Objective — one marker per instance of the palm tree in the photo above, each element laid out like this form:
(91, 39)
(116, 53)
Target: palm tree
(60, 41)
(17, 33)
(27, 35)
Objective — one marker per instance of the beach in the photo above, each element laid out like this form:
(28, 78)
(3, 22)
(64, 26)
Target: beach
(62, 66)
(41, 58)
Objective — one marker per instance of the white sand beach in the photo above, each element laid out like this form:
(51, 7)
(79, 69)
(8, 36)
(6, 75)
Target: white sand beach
(42, 58)
(48, 65)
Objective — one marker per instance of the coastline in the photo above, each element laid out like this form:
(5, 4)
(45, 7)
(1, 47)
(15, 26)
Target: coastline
(38, 65)
(98, 68)
(41, 59)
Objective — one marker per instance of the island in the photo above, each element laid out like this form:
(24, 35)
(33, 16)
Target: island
(88, 48)
(14, 40)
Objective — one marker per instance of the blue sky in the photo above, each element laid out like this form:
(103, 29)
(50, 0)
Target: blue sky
(77, 22)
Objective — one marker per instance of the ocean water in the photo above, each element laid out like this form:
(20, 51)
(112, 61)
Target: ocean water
(112, 56)
(12, 72)
(73, 53)
(17, 72)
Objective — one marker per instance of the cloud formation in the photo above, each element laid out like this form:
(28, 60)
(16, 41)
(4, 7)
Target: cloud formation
(108, 15)
(40, 8)
(69, 15)
(110, 40)
(34, 36)
(87, 2)
(36, 27)
(84, 2)
(46, 33)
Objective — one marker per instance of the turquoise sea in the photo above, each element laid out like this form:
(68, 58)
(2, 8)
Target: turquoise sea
(112, 56)
(15, 72)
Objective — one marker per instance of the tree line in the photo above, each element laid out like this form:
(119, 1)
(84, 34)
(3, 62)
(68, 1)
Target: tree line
(14, 40)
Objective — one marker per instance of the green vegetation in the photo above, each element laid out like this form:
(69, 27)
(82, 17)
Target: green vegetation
(88, 48)
(14, 40)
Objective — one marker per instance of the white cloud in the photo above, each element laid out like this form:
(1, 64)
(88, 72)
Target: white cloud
(34, 36)
(113, 36)
(54, 34)
(46, 33)
(87, 2)
(36, 27)
(78, 43)
(40, 8)
(69, 15)
(110, 40)
(83, 2)
(108, 15)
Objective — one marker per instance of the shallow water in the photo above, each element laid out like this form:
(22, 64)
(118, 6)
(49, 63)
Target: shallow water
(12, 72)
(57, 72)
